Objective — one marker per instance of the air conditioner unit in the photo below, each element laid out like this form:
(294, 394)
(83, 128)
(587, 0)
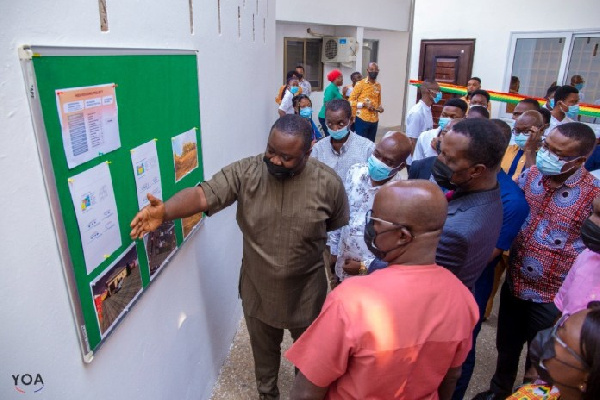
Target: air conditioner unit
(339, 50)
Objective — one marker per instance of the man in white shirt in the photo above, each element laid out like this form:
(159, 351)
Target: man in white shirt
(453, 108)
(304, 83)
(350, 253)
(419, 117)
(566, 107)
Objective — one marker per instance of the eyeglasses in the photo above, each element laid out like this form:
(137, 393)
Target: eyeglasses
(560, 158)
(527, 132)
(551, 352)
(369, 225)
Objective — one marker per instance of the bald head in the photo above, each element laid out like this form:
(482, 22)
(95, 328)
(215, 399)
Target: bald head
(420, 205)
(531, 118)
(394, 146)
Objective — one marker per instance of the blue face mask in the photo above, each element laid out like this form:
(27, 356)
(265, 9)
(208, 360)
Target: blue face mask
(378, 171)
(443, 122)
(339, 134)
(520, 140)
(548, 163)
(551, 103)
(438, 97)
(579, 86)
(306, 112)
(573, 111)
(294, 89)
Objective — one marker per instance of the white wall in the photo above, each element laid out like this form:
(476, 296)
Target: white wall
(378, 14)
(392, 57)
(491, 25)
(173, 342)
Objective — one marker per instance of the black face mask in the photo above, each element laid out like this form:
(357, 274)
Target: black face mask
(442, 175)
(369, 236)
(542, 348)
(373, 74)
(300, 77)
(279, 171)
(590, 234)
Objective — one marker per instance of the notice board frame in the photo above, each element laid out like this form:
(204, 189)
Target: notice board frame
(177, 111)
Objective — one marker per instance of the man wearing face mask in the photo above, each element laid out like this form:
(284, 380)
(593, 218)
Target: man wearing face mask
(362, 182)
(582, 283)
(453, 108)
(287, 201)
(566, 107)
(401, 332)
(304, 84)
(366, 103)
(468, 166)
(527, 124)
(419, 118)
(342, 148)
(560, 194)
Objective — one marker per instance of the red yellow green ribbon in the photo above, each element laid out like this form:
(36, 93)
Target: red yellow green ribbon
(588, 110)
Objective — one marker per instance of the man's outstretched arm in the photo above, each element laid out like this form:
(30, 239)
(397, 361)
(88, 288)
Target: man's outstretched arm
(183, 204)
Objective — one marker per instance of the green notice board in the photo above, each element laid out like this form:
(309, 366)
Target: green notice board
(157, 99)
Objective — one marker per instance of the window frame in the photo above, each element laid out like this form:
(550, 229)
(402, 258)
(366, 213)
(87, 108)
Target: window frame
(562, 77)
(320, 63)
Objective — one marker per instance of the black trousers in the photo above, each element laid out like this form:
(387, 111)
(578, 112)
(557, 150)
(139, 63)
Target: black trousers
(518, 323)
(265, 341)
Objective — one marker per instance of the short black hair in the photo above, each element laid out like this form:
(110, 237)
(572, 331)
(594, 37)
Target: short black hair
(533, 102)
(300, 66)
(474, 78)
(295, 125)
(459, 103)
(290, 74)
(486, 142)
(562, 92)
(296, 100)
(546, 115)
(581, 133)
(550, 90)
(504, 128)
(339, 104)
(481, 92)
(481, 110)
(354, 74)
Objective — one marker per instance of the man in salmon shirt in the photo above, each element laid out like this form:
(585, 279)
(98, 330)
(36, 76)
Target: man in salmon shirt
(401, 332)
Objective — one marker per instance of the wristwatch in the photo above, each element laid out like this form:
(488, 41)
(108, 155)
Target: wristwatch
(363, 268)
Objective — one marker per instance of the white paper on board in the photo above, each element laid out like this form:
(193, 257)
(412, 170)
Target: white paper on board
(96, 211)
(146, 171)
(89, 122)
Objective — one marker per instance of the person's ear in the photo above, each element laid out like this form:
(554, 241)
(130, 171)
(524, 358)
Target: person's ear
(478, 170)
(403, 236)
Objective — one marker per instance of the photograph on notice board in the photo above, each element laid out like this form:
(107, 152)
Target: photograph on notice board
(116, 288)
(189, 224)
(146, 171)
(160, 245)
(96, 212)
(185, 153)
(89, 122)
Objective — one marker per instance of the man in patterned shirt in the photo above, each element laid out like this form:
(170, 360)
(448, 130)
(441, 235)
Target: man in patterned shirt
(560, 193)
(362, 182)
(366, 103)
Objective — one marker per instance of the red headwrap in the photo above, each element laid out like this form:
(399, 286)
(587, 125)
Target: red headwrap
(333, 75)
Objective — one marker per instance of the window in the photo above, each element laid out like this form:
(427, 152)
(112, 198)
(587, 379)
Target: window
(305, 52)
(543, 58)
(370, 48)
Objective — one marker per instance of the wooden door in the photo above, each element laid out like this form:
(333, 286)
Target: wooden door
(446, 61)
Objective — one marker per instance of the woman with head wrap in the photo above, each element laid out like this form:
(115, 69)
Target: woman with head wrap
(332, 92)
